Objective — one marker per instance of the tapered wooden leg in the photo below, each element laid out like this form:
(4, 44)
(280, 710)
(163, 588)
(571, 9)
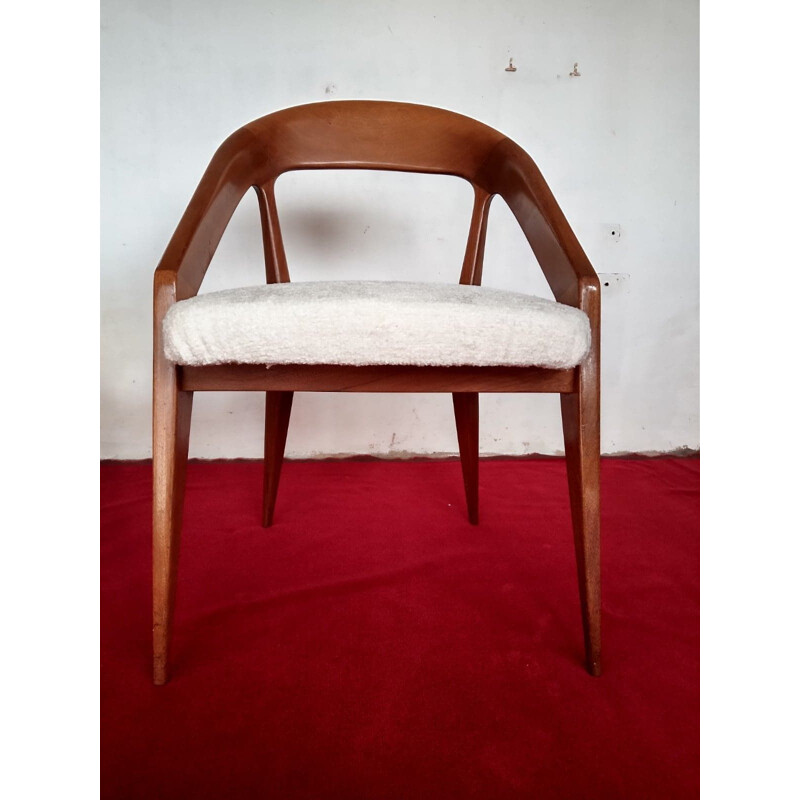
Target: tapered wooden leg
(172, 413)
(581, 418)
(279, 409)
(465, 405)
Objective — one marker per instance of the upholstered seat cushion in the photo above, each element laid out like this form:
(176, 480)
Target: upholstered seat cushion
(375, 322)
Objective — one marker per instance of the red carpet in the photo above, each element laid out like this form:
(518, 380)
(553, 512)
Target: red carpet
(373, 644)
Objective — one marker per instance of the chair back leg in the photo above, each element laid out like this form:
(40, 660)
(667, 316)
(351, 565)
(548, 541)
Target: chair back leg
(580, 412)
(465, 405)
(276, 427)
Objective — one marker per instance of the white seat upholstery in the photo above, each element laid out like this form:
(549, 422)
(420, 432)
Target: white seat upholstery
(375, 322)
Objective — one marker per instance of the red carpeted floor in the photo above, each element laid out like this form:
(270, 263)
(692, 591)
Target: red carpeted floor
(373, 644)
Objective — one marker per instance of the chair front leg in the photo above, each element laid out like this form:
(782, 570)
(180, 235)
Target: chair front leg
(580, 412)
(172, 413)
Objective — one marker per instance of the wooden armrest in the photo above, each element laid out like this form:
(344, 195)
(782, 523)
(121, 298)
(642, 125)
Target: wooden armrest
(224, 183)
(510, 172)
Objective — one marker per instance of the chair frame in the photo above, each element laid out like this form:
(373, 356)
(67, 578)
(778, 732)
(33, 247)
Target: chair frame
(381, 136)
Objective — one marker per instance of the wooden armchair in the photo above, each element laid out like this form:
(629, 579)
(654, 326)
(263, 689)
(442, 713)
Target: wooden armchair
(385, 136)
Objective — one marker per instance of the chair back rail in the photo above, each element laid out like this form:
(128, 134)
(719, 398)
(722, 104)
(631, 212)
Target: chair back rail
(381, 135)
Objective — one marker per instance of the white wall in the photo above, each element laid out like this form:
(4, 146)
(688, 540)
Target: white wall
(618, 146)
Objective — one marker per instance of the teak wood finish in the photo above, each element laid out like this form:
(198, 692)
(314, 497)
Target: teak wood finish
(385, 136)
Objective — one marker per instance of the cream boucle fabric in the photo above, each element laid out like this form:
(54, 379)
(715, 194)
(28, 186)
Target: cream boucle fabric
(375, 322)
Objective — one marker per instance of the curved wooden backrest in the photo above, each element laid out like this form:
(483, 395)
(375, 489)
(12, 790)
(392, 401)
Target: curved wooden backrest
(370, 134)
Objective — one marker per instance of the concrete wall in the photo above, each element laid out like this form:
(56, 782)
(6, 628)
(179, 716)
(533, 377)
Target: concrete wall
(617, 144)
